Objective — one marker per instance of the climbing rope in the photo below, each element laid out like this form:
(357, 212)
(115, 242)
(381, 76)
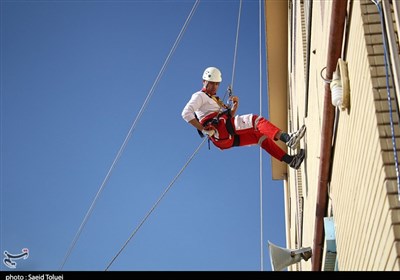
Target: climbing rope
(169, 186)
(236, 45)
(128, 136)
(155, 204)
(173, 181)
(229, 91)
(260, 149)
(396, 162)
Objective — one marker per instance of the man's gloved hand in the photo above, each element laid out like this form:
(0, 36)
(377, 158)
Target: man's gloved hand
(234, 99)
(209, 130)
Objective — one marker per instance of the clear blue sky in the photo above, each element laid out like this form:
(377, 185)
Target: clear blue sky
(74, 75)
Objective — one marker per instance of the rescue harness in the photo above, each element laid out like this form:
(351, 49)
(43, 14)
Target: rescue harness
(213, 119)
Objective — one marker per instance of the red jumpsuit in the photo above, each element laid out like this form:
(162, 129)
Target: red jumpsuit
(261, 132)
(244, 130)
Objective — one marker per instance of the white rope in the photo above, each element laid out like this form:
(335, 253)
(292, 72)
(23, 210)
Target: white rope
(236, 44)
(155, 204)
(180, 172)
(128, 136)
(261, 150)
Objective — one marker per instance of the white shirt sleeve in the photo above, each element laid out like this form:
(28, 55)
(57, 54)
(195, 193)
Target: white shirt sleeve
(195, 102)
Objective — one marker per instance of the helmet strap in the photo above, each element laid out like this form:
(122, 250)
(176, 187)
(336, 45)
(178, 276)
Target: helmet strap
(205, 83)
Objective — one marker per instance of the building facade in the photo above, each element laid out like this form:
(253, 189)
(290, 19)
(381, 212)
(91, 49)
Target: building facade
(334, 66)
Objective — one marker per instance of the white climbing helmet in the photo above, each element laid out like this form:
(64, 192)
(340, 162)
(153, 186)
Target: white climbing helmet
(212, 74)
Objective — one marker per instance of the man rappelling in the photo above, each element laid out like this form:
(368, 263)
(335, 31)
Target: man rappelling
(208, 113)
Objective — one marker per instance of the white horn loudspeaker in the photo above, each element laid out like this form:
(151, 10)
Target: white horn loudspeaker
(282, 257)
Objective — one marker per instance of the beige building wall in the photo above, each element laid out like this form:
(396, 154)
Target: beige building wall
(363, 187)
(363, 199)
